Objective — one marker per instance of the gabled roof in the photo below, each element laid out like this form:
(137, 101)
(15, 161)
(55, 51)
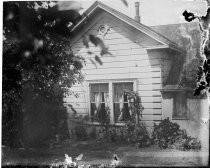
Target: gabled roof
(169, 31)
(188, 33)
(145, 29)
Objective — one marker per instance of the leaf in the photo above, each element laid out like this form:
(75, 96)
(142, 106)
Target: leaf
(205, 67)
(98, 42)
(125, 2)
(93, 62)
(85, 41)
(72, 108)
(69, 5)
(94, 39)
(116, 161)
(105, 51)
(89, 52)
(68, 159)
(98, 60)
(79, 157)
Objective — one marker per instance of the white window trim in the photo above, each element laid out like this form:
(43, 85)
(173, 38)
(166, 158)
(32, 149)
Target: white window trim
(110, 86)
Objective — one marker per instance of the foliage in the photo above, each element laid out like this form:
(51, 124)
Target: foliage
(168, 134)
(134, 131)
(81, 133)
(104, 119)
(38, 69)
(136, 106)
(137, 133)
(130, 134)
(203, 72)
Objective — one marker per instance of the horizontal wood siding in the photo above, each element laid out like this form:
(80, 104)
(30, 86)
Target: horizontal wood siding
(128, 61)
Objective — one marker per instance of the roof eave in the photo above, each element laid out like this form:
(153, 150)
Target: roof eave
(166, 43)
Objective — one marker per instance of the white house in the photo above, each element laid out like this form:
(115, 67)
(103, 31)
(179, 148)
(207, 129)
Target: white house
(148, 60)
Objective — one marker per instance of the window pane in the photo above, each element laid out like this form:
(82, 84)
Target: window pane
(180, 107)
(128, 86)
(94, 88)
(99, 99)
(121, 113)
(103, 87)
(118, 92)
(121, 107)
(93, 112)
(116, 111)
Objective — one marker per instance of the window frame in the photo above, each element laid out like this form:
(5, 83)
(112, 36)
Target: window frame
(90, 102)
(119, 102)
(175, 97)
(111, 92)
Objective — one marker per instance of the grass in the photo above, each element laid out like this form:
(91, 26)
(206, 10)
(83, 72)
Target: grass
(96, 153)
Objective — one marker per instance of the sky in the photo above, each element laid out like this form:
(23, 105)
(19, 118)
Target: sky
(155, 12)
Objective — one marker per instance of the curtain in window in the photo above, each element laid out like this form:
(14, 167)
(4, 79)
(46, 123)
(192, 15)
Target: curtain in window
(121, 104)
(99, 99)
(97, 102)
(121, 107)
(106, 99)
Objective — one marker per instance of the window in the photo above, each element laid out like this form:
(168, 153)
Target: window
(99, 98)
(180, 106)
(115, 99)
(121, 103)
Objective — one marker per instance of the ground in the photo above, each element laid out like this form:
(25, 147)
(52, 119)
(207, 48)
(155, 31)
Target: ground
(102, 153)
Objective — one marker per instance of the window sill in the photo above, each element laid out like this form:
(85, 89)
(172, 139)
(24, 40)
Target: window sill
(98, 124)
(180, 118)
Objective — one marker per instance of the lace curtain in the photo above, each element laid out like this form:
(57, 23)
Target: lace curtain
(121, 98)
(99, 95)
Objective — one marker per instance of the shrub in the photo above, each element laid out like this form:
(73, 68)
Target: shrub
(92, 134)
(81, 133)
(169, 135)
(131, 133)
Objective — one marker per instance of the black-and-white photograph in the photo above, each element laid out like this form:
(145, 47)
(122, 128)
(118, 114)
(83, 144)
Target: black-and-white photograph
(105, 83)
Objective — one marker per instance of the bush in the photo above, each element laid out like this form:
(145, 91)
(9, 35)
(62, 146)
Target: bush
(81, 133)
(92, 134)
(131, 133)
(169, 135)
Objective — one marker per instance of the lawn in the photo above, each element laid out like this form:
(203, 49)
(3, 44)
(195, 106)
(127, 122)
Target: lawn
(102, 153)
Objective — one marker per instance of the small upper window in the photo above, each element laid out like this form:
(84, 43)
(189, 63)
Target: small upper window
(103, 29)
(180, 107)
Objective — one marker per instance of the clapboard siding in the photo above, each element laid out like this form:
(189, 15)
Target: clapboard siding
(129, 61)
(125, 72)
(151, 117)
(74, 99)
(101, 70)
(143, 99)
(149, 87)
(82, 105)
(117, 76)
(119, 64)
(150, 81)
(151, 99)
(114, 52)
(139, 56)
(152, 111)
(149, 93)
(110, 39)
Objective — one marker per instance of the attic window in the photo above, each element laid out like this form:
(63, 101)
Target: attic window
(103, 29)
